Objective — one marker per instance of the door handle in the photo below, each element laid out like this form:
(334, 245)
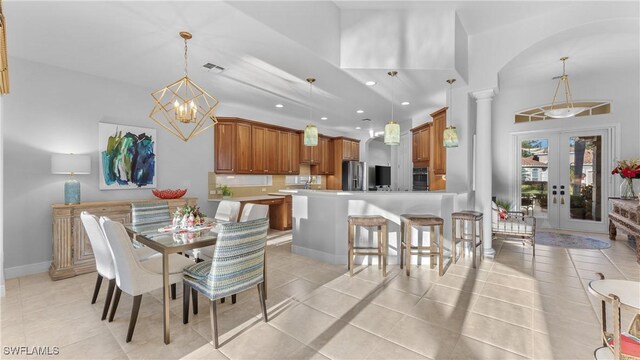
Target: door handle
(562, 195)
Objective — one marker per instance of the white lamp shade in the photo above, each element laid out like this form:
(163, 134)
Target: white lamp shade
(70, 164)
(311, 135)
(564, 113)
(392, 133)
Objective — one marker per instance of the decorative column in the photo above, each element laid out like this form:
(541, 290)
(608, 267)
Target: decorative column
(484, 163)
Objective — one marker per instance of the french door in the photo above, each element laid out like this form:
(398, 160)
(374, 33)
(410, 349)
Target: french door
(562, 178)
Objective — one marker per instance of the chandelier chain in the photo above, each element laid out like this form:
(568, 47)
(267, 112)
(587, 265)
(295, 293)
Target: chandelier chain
(185, 58)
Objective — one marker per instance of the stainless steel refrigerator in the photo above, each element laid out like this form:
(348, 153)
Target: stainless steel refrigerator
(354, 175)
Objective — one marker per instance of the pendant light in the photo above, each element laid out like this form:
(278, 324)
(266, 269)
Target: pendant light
(450, 134)
(392, 129)
(184, 108)
(567, 110)
(311, 131)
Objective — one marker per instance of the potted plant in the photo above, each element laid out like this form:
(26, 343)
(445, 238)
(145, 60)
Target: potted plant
(225, 190)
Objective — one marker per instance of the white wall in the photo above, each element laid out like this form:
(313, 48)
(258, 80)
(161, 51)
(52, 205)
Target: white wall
(52, 110)
(378, 153)
(620, 87)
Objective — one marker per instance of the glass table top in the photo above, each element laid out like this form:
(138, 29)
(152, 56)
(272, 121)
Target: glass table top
(165, 235)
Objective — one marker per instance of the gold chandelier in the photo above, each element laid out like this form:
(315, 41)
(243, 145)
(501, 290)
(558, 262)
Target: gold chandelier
(184, 108)
(567, 110)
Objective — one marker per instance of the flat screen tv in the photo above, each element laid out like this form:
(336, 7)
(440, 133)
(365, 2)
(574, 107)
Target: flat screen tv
(383, 175)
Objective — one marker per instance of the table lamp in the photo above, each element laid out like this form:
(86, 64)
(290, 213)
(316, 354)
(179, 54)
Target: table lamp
(71, 164)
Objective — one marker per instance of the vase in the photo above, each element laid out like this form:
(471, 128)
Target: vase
(627, 192)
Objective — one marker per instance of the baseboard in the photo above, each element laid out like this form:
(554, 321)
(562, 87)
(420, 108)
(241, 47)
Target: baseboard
(29, 269)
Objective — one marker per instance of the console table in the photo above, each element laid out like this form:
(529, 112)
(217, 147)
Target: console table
(72, 252)
(625, 217)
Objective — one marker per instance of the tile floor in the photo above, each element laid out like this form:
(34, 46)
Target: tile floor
(512, 307)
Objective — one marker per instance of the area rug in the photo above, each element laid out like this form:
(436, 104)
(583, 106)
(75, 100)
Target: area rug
(569, 241)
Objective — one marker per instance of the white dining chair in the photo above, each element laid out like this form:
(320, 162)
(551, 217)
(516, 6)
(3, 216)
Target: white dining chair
(133, 276)
(254, 212)
(227, 211)
(104, 259)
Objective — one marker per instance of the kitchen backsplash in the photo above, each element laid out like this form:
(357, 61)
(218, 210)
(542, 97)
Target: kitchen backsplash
(278, 182)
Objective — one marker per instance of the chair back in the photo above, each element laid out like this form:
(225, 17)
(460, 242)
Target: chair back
(127, 265)
(238, 258)
(150, 212)
(101, 251)
(228, 211)
(254, 212)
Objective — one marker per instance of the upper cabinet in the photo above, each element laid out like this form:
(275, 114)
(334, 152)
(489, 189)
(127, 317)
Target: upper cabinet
(310, 154)
(428, 150)
(264, 150)
(439, 155)
(350, 148)
(325, 164)
(344, 149)
(225, 139)
(244, 147)
(289, 152)
(421, 145)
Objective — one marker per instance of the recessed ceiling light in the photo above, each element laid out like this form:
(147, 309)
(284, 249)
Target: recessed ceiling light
(359, 111)
(358, 128)
(279, 105)
(405, 103)
(370, 83)
(323, 118)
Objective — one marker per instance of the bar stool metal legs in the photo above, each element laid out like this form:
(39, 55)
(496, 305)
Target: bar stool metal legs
(475, 238)
(372, 221)
(407, 249)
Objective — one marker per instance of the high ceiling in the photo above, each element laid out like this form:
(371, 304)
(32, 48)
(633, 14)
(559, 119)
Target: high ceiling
(269, 48)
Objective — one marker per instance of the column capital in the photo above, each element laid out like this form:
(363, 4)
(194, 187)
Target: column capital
(486, 94)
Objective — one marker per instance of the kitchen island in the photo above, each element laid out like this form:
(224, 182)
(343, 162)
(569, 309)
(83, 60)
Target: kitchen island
(320, 219)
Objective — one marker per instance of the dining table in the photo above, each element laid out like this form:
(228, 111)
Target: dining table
(167, 239)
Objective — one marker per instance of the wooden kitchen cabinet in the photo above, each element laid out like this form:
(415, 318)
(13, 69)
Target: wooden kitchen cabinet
(264, 150)
(355, 150)
(288, 153)
(225, 144)
(344, 149)
(244, 162)
(310, 154)
(325, 165)
(421, 142)
(439, 154)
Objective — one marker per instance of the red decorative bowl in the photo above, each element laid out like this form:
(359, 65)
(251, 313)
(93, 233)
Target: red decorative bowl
(169, 193)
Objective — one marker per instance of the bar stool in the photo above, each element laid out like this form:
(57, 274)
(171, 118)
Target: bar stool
(371, 221)
(475, 238)
(407, 221)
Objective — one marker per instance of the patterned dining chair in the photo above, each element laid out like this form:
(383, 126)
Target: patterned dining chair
(150, 212)
(237, 265)
(228, 211)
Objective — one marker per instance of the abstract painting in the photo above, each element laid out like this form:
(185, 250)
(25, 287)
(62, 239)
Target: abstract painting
(127, 157)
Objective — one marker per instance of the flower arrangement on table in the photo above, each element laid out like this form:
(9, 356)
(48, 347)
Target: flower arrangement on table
(188, 216)
(628, 170)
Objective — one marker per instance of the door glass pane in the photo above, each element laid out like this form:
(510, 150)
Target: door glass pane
(534, 161)
(585, 177)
